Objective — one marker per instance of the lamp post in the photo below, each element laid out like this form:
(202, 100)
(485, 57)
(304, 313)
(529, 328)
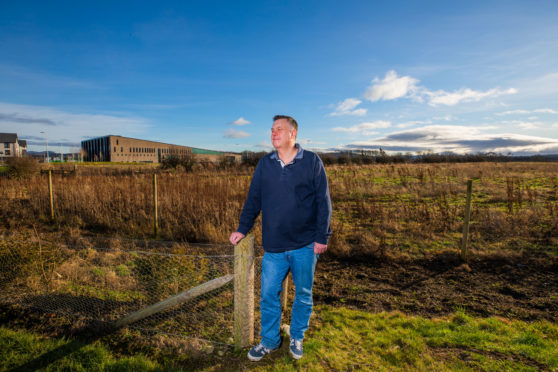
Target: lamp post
(46, 137)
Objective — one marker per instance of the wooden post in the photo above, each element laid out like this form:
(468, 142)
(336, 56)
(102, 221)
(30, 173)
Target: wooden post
(50, 194)
(464, 252)
(244, 292)
(285, 293)
(155, 222)
(174, 300)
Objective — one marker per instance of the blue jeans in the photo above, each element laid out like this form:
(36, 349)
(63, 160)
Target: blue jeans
(275, 267)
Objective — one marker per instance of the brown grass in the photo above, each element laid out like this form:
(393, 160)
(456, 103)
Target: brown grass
(378, 210)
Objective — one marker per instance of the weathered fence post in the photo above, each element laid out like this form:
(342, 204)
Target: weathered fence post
(285, 293)
(464, 252)
(244, 292)
(155, 221)
(50, 194)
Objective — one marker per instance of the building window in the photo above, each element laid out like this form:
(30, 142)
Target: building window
(6, 145)
(114, 148)
(116, 142)
(121, 149)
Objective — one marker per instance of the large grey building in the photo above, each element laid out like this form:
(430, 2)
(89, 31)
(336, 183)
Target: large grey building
(126, 150)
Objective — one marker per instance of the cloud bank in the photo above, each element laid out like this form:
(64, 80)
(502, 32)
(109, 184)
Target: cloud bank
(232, 133)
(458, 139)
(393, 87)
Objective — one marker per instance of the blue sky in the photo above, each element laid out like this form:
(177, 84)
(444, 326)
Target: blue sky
(405, 76)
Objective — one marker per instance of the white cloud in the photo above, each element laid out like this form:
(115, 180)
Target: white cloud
(546, 111)
(240, 121)
(442, 97)
(527, 125)
(365, 128)
(394, 86)
(391, 87)
(458, 139)
(526, 112)
(231, 133)
(347, 107)
(64, 128)
(513, 112)
(411, 123)
(523, 124)
(445, 118)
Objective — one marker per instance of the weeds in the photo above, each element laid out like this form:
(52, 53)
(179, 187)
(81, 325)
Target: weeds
(411, 205)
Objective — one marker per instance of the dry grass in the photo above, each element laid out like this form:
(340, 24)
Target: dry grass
(378, 210)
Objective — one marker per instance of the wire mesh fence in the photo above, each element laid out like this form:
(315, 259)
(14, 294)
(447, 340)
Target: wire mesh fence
(106, 282)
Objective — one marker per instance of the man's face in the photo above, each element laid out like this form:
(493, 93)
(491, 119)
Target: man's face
(283, 135)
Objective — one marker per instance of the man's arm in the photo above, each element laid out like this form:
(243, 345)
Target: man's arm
(252, 207)
(323, 201)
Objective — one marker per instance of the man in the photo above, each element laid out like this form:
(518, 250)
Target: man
(290, 188)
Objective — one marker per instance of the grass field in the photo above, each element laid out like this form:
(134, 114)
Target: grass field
(377, 210)
(391, 289)
(339, 340)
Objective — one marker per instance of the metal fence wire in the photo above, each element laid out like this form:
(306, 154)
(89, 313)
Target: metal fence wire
(95, 284)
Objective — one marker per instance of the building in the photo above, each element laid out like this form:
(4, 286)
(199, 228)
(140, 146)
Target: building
(127, 150)
(11, 146)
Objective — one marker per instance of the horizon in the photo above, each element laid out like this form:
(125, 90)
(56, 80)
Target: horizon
(406, 77)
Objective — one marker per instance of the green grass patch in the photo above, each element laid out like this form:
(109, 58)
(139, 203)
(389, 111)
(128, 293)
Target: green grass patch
(338, 339)
(350, 340)
(18, 348)
(102, 293)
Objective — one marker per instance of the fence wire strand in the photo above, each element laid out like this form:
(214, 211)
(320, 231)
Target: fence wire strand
(95, 285)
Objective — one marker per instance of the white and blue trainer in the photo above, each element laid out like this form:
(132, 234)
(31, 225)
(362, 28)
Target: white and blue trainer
(295, 348)
(258, 352)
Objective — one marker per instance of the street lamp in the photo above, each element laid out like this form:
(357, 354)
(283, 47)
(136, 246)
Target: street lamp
(46, 137)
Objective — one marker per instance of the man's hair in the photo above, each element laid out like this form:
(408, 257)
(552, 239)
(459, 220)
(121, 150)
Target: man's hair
(291, 121)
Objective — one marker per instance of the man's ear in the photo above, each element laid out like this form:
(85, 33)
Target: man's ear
(294, 133)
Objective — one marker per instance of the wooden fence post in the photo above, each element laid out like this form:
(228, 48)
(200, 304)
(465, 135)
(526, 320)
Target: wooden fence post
(285, 293)
(155, 221)
(244, 292)
(464, 252)
(50, 194)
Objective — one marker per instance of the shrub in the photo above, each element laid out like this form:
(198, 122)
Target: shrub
(21, 167)
(185, 162)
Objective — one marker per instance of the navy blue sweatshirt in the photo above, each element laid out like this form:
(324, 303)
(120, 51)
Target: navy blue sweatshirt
(294, 201)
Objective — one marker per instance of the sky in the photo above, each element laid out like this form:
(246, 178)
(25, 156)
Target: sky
(404, 76)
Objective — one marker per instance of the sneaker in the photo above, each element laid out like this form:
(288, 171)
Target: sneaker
(296, 348)
(258, 352)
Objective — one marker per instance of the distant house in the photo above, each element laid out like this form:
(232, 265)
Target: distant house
(124, 149)
(10, 146)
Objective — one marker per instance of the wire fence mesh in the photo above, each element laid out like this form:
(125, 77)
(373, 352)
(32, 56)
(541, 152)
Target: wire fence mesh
(95, 284)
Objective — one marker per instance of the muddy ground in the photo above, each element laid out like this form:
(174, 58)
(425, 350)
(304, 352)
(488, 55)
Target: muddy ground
(511, 286)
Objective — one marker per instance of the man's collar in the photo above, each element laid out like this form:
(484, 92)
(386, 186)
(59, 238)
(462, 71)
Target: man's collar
(298, 155)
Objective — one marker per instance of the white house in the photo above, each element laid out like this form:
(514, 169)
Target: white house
(10, 146)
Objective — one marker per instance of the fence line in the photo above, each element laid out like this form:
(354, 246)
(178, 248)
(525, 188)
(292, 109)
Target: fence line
(102, 285)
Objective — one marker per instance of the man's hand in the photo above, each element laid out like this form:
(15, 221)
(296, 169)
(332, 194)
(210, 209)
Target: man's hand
(319, 248)
(236, 237)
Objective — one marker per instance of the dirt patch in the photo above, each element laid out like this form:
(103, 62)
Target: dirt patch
(519, 287)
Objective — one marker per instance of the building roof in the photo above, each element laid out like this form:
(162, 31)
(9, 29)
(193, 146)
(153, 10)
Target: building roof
(22, 143)
(8, 137)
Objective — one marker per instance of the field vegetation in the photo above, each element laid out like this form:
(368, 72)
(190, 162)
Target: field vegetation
(340, 340)
(378, 210)
(391, 288)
